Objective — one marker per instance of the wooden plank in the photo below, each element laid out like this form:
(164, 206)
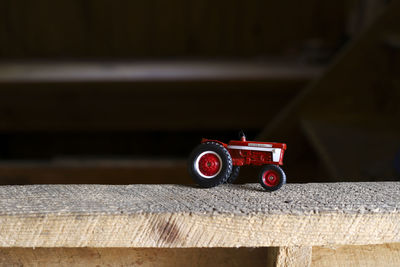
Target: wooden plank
(133, 257)
(186, 216)
(368, 256)
(156, 71)
(289, 256)
(294, 256)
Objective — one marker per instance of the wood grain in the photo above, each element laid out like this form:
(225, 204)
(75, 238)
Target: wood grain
(294, 256)
(368, 256)
(184, 216)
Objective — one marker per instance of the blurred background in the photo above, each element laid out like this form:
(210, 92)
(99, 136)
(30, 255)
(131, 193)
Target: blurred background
(120, 92)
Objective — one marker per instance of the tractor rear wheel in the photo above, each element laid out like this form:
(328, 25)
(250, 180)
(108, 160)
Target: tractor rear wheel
(272, 177)
(210, 164)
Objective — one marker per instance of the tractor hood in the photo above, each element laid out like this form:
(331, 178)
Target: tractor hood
(255, 144)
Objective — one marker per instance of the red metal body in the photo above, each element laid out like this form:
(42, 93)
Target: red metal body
(253, 153)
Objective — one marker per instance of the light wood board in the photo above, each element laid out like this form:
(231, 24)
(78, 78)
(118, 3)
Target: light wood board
(185, 216)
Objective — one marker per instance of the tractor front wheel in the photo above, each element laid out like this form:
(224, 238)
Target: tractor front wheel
(272, 177)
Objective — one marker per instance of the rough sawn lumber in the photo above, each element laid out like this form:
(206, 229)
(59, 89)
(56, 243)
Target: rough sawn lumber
(185, 216)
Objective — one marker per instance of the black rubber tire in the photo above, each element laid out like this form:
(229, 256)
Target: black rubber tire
(234, 175)
(226, 168)
(281, 176)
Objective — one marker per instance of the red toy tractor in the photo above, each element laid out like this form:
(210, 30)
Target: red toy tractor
(213, 162)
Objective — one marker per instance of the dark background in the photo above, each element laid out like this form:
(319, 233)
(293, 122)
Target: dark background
(122, 91)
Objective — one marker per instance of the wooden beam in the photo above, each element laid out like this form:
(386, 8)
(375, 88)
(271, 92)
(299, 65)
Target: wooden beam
(294, 256)
(185, 216)
(133, 257)
(367, 255)
(289, 256)
(155, 71)
(346, 256)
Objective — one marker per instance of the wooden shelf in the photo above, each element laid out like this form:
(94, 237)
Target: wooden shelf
(294, 221)
(185, 216)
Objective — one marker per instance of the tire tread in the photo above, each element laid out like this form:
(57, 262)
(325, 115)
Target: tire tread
(220, 178)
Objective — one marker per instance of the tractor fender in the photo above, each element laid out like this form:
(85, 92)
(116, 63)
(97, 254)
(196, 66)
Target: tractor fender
(205, 140)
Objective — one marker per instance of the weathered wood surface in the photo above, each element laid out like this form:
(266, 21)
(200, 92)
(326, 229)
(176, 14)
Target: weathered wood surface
(184, 216)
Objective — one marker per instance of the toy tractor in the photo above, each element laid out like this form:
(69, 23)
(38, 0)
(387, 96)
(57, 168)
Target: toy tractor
(213, 162)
